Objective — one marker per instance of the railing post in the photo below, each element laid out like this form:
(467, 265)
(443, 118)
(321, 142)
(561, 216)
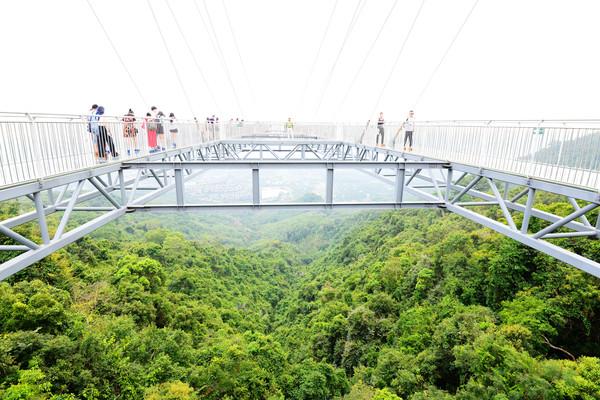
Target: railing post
(37, 151)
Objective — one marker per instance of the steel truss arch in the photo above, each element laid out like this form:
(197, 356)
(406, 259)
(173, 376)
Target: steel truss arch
(136, 185)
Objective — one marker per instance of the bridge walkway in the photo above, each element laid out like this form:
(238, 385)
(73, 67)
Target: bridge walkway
(502, 199)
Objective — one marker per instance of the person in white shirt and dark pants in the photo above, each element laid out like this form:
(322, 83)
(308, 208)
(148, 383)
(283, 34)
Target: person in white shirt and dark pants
(409, 128)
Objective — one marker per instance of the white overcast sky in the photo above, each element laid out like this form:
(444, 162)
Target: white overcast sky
(515, 59)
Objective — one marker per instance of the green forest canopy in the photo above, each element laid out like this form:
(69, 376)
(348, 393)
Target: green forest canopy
(408, 304)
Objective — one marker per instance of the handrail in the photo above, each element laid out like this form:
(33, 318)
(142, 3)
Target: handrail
(38, 145)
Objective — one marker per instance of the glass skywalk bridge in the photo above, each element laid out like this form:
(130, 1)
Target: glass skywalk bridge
(489, 172)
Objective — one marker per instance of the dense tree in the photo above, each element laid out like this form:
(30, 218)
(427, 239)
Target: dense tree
(407, 305)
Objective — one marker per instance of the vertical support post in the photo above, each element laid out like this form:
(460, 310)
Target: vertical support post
(598, 225)
(528, 207)
(448, 185)
(399, 185)
(179, 186)
(122, 187)
(303, 151)
(329, 185)
(255, 186)
(506, 188)
(41, 215)
(51, 197)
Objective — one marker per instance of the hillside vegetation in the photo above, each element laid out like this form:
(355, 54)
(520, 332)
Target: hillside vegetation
(409, 305)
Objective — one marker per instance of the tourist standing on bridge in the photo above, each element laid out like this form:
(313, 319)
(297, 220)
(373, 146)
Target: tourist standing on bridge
(380, 130)
(409, 128)
(93, 127)
(211, 126)
(173, 130)
(130, 133)
(160, 131)
(105, 140)
(150, 126)
(289, 128)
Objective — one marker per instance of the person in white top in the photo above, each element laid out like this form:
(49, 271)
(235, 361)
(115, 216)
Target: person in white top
(409, 127)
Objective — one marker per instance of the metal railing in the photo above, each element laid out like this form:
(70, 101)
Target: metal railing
(34, 146)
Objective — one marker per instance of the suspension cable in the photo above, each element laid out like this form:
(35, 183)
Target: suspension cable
(389, 77)
(185, 94)
(314, 63)
(239, 53)
(366, 57)
(355, 16)
(218, 50)
(189, 48)
(135, 85)
(445, 53)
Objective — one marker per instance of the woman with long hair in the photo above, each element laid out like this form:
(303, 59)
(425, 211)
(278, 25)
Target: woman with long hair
(150, 126)
(130, 133)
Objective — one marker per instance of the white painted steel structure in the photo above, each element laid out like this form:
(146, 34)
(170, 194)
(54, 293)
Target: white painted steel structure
(34, 146)
(468, 167)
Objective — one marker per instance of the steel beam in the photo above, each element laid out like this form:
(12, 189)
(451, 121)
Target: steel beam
(58, 204)
(563, 221)
(41, 217)
(521, 208)
(528, 209)
(16, 264)
(18, 237)
(329, 185)
(179, 187)
(330, 155)
(448, 188)
(255, 187)
(399, 185)
(13, 248)
(582, 218)
(584, 264)
(65, 218)
(471, 184)
(502, 204)
(580, 262)
(296, 206)
(104, 192)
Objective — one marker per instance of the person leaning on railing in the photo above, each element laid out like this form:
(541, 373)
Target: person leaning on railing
(104, 138)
